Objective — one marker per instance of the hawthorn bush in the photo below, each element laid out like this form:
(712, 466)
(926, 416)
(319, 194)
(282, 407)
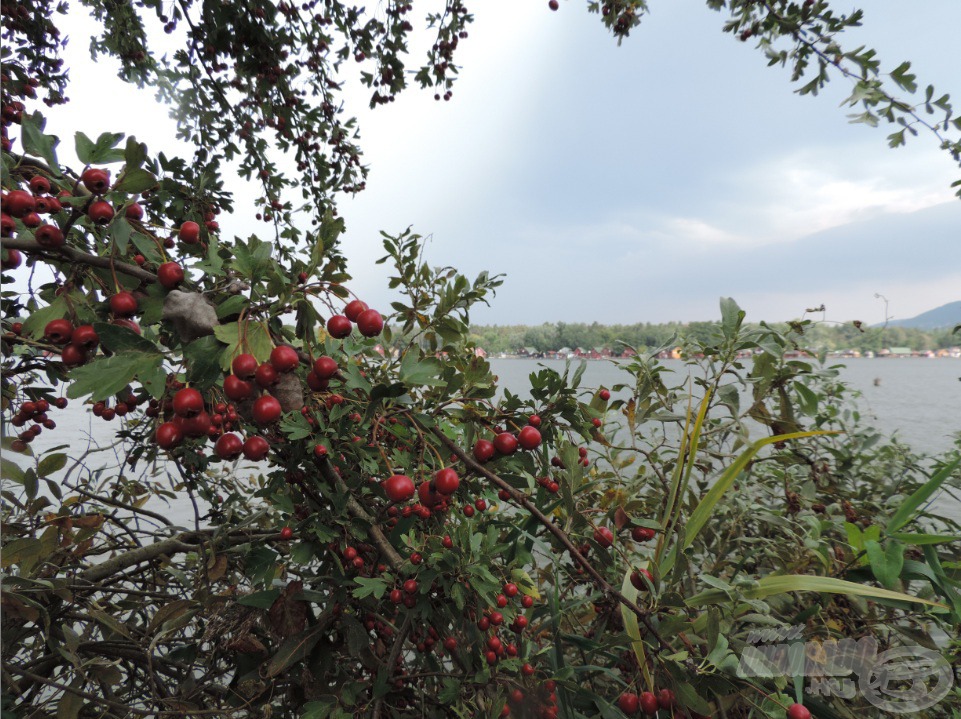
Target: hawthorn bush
(378, 531)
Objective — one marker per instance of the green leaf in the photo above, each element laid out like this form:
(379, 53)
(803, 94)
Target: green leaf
(293, 650)
(417, 371)
(907, 510)
(377, 587)
(135, 154)
(106, 376)
(706, 506)
(886, 564)
(11, 471)
(119, 339)
(260, 600)
(120, 231)
(731, 317)
(136, 181)
(203, 362)
(51, 463)
(38, 144)
(100, 152)
(783, 583)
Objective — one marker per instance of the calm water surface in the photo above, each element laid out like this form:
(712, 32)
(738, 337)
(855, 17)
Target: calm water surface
(917, 400)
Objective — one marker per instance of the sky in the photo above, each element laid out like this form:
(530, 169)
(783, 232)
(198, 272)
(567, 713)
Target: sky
(637, 183)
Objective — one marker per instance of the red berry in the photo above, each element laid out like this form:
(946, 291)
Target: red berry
(169, 275)
(354, 308)
(554, 4)
(73, 356)
(527, 670)
(244, 366)
(450, 644)
(196, 426)
(14, 258)
(642, 534)
(604, 395)
(236, 389)
(798, 711)
(320, 451)
(399, 488)
(325, 367)
(266, 375)
(446, 481)
(169, 435)
(506, 443)
(284, 358)
(510, 589)
(316, 383)
(410, 586)
(101, 212)
(266, 409)
(637, 579)
(649, 703)
(256, 448)
(189, 233)
(665, 698)
(188, 402)
(527, 601)
(123, 304)
(534, 420)
(58, 331)
(229, 446)
(339, 326)
(133, 212)
(604, 536)
(49, 236)
(286, 533)
(19, 203)
(97, 181)
(370, 323)
(628, 703)
(483, 451)
(39, 185)
(85, 336)
(529, 437)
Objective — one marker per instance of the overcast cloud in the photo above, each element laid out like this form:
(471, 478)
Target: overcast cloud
(641, 182)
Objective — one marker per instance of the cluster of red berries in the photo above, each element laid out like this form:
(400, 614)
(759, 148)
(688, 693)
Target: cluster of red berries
(369, 322)
(506, 443)
(36, 412)
(648, 702)
(191, 420)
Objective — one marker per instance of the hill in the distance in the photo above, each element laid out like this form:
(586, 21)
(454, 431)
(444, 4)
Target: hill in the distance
(947, 315)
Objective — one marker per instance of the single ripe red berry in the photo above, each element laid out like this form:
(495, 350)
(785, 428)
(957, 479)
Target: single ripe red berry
(320, 451)
(58, 331)
(554, 5)
(95, 180)
(284, 358)
(450, 644)
(447, 542)
(189, 233)
(665, 698)
(339, 326)
(642, 534)
(629, 703)
(101, 212)
(370, 323)
(604, 394)
(73, 356)
(266, 376)
(39, 185)
(354, 308)
(133, 212)
(256, 448)
(505, 443)
(49, 236)
(446, 481)
(604, 536)
(798, 711)
(649, 703)
(534, 420)
(529, 437)
(483, 451)
(527, 601)
(229, 446)
(266, 410)
(170, 275)
(325, 367)
(236, 389)
(510, 589)
(410, 586)
(286, 533)
(637, 579)
(188, 402)
(244, 366)
(169, 435)
(399, 488)
(123, 304)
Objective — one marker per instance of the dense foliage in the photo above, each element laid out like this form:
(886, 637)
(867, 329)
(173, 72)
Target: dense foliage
(551, 337)
(380, 533)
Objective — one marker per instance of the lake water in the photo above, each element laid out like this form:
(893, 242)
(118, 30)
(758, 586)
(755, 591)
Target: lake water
(916, 399)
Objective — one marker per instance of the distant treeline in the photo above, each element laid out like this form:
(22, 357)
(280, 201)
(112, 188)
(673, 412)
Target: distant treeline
(644, 336)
